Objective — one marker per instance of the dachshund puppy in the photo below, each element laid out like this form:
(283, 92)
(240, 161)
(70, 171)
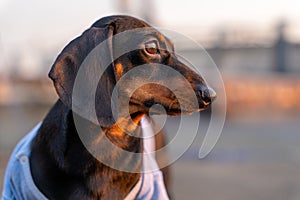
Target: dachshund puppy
(52, 162)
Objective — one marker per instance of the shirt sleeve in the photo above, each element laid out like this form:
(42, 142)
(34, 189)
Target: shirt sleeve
(8, 187)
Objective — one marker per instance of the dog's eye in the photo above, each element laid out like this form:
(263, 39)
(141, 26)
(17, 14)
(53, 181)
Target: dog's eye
(151, 47)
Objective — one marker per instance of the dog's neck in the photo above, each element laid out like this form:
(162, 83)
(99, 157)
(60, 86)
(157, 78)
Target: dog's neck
(59, 156)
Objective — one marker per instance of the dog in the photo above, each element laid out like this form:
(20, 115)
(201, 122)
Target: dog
(56, 163)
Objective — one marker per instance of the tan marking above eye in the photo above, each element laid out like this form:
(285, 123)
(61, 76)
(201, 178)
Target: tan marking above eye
(161, 38)
(151, 47)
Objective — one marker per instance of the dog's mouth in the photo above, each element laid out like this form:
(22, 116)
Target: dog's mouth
(176, 111)
(150, 106)
(156, 99)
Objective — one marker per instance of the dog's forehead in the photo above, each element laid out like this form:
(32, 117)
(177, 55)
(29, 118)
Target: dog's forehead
(140, 36)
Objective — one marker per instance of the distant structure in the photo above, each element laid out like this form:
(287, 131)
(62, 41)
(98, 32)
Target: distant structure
(235, 54)
(281, 49)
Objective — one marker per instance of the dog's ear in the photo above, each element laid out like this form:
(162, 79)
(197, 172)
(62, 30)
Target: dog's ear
(65, 69)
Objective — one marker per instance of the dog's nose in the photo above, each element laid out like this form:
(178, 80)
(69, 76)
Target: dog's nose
(207, 94)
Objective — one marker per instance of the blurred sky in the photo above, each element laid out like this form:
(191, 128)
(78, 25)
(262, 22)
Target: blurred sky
(32, 28)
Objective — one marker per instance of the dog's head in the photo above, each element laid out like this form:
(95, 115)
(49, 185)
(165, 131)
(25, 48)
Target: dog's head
(149, 85)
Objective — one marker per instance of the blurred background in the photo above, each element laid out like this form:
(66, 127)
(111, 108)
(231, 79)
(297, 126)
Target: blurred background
(256, 46)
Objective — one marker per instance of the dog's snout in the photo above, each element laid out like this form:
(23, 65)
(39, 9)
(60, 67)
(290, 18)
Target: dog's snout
(206, 94)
